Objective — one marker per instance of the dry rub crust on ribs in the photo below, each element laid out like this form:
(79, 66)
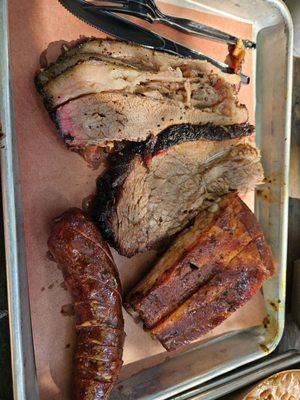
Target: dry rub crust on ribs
(154, 189)
(214, 239)
(211, 270)
(102, 92)
(215, 301)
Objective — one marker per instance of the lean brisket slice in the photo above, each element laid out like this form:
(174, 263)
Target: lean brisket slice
(154, 189)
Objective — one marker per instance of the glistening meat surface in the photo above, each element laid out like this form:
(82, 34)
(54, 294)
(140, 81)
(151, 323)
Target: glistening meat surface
(154, 189)
(92, 278)
(216, 236)
(103, 91)
(99, 119)
(208, 272)
(215, 301)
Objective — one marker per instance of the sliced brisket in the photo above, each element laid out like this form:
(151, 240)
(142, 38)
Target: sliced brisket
(98, 76)
(135, 56)
(104, 118)
(154, 189)
(103, 91)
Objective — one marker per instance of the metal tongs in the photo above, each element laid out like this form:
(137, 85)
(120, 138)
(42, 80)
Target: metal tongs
(101, 14)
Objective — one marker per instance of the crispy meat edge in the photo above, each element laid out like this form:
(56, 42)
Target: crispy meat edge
(109, 186)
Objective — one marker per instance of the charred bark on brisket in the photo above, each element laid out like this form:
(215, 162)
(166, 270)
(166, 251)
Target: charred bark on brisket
(94, 106)
(109, 186)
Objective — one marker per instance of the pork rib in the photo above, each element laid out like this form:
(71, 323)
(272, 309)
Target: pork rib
(215, 301)
(215, 238)
(210, 270)
(154, 189)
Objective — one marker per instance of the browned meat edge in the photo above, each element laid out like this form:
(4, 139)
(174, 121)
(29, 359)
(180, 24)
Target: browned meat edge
(241, 279)
(92, 278)
(51, 74)
(202, 313)
(167, 294)
(110, 183)
(51, 108)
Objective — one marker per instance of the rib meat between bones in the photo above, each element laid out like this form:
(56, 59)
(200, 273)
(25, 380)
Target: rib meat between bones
(210, 270)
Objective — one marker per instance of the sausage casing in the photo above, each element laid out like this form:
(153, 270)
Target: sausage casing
(92, 278)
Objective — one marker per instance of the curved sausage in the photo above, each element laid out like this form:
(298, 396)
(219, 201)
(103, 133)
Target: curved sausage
(92, 278)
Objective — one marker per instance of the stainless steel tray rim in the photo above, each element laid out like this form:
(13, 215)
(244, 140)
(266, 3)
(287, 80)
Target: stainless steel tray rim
(15, 264)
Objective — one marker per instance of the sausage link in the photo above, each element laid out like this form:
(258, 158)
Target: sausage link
(93, 281)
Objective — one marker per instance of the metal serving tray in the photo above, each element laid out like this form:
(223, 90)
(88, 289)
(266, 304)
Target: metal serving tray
(167, 376)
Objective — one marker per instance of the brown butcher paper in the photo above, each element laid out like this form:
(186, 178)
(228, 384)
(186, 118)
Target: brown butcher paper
(54, 179)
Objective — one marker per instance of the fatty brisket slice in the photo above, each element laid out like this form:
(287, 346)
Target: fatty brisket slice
(102, 92)
(135, 56)
(155, 75)
(103, 118)
(98, 76)
(210, 270)
(154, 189)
